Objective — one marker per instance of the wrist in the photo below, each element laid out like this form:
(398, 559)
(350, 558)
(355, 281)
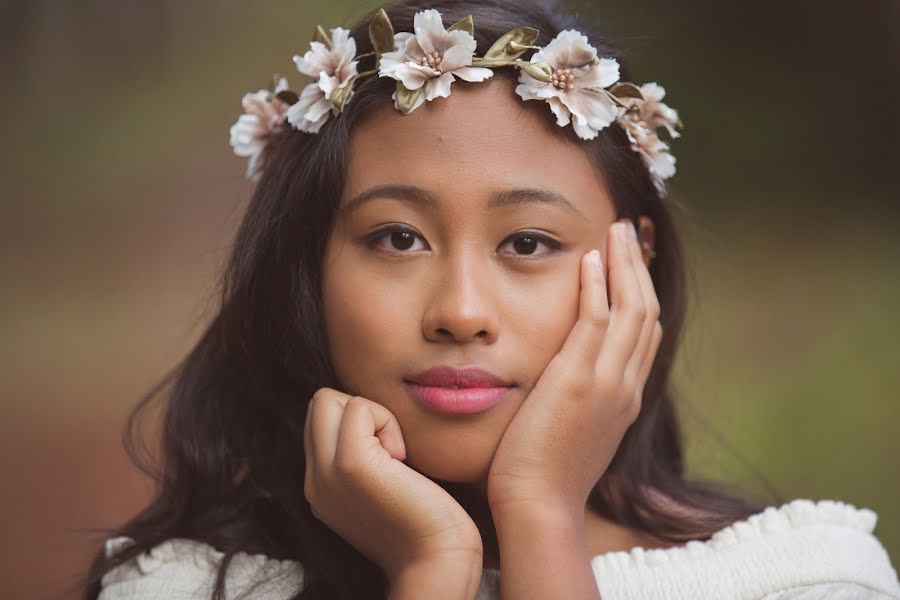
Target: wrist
(453, 576)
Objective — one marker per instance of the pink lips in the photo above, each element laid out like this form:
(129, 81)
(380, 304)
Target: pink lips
(478, 390)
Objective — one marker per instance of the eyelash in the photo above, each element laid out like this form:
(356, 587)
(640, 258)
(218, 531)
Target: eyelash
(376, 236)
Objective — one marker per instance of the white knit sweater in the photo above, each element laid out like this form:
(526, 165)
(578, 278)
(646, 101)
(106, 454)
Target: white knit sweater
(803, 550)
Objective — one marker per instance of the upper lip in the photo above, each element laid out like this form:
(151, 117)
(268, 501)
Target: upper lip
(450, 376)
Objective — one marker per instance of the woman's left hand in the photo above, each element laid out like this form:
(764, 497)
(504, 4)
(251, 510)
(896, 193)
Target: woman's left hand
(568, 429)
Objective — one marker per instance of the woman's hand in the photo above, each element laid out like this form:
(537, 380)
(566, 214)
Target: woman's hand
(357, 485)
(568, 429)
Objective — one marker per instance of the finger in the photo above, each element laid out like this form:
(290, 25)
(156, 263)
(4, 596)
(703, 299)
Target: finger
(627, 309)
(368, 426)
(308, 448)
(325, 419)
(583, 344)
(651, 303)
(644, 373)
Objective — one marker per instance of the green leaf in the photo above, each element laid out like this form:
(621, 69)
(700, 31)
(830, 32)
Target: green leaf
(339, 95)
(624, 89)
(406, 97)
(465, 25)
(381, 33)
(500, 51)
(540, 71)
(319, 35)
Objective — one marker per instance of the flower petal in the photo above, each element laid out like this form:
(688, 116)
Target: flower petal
(559, 109)
(315, 59)
(541, 91)
(599, 76)
(438, 87)
(389, 63)
(594, 108)
(413, 75)
(253, 166)
(460, 37)
(342, 45)
(456, 57)
(653, 91)
(430, 31)
(473, 73)
(570, 48)
(584, 131)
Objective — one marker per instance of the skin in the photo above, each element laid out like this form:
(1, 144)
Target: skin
(461, 290)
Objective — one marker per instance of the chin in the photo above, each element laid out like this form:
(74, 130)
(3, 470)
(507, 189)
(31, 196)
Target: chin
(461, 468)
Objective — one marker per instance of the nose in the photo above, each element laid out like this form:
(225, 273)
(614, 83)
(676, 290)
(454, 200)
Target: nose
(462, 304)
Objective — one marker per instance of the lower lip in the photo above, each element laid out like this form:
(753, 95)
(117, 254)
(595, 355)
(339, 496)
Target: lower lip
(463, 401)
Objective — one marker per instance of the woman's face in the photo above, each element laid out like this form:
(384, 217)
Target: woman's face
(476, 281)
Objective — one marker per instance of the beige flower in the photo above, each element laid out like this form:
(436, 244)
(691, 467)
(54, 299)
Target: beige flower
(653, 150)
(431, 57)
(576, 93)
(640, 118)
(651, 111)
(263, 113)
(333, 68)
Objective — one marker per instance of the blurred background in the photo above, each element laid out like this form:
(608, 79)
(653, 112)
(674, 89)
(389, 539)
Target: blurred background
(120, 196)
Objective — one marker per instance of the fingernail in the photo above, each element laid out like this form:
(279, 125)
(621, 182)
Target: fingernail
(632, 231)
(621, 233)
(594, 257)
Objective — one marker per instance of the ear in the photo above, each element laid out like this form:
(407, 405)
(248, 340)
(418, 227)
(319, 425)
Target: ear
(646, 238)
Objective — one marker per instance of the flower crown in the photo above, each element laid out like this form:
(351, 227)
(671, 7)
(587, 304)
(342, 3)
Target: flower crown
(580, 88)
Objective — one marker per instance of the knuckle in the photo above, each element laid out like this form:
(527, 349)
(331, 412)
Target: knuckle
(344, 465)
(599, 319)
(653, 310)
(576, 381)
(638, 313)
(632, 410)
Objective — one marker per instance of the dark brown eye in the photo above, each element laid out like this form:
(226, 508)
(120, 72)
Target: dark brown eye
(398, 239)
(525, 244)
(402, 240)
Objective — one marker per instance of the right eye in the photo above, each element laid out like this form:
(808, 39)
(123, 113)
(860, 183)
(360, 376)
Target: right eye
(400, 238)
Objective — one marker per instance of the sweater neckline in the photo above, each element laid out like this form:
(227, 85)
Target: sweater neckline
(796, 514)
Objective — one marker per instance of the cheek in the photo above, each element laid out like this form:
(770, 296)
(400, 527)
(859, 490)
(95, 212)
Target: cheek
(542, 318)
(368, 326)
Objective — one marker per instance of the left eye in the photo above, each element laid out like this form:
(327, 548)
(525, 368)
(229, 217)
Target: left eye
(524, 243)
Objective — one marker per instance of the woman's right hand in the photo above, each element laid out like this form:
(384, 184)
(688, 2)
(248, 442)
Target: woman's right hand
(357, 485)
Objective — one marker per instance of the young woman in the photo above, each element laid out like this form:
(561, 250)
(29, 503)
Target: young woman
(444, 345)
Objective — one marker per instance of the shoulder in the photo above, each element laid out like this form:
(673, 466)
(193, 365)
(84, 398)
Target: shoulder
(182, 569)
(782, 552)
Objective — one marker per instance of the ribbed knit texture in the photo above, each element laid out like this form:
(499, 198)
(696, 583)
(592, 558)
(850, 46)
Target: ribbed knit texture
(802, 550)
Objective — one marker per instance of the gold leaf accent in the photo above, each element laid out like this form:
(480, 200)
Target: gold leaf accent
(501, 52)
(319, 35)
(339, 95)
(466, 24)
(406, 97)
(540, 71)
(624, 89)
(381, 33)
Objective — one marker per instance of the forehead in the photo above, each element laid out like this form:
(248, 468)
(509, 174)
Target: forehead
(481, 139)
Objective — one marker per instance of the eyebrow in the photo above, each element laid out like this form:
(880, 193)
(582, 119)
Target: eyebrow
(418, 196)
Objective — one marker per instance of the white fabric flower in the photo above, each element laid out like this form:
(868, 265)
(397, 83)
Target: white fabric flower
(576, 93)
(640, 119)
(651, 111)
(431, 57)
(653, 150)
(263, 113)
(333, 68)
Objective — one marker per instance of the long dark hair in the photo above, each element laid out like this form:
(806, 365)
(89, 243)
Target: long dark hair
(232, 466)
